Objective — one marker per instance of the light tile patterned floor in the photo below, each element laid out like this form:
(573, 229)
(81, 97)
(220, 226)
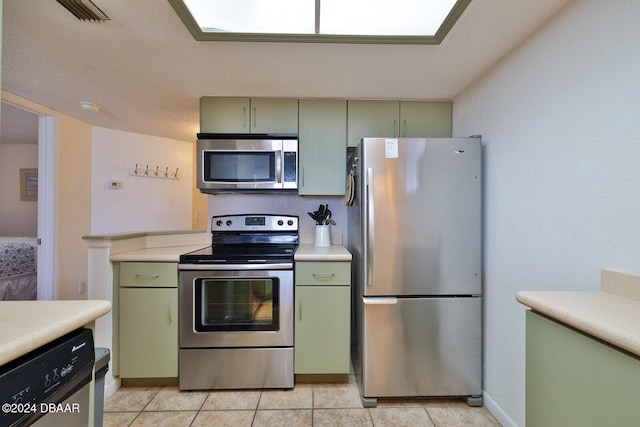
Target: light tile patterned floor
(308, 404)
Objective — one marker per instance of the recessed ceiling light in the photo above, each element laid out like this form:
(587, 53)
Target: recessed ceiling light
(90, 106)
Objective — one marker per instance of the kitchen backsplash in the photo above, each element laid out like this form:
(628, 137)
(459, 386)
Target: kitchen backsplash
(234, 203)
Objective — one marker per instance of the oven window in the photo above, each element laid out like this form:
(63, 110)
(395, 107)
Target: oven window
(237, 304)
(233, 166)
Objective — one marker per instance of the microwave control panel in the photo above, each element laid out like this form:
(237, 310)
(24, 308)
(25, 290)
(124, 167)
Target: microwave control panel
(290, 165)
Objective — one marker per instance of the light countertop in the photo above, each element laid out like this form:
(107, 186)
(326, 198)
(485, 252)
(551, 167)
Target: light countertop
(161, 254)
(611, 314)
(305, 252)
(27, 325)
(308, 252)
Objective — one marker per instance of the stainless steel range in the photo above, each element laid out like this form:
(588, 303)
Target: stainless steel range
(236, 305)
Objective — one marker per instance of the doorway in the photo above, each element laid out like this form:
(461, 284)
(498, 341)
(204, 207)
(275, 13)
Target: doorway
(27, 144)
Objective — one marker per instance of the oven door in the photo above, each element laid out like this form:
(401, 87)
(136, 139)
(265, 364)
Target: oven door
(236, 308)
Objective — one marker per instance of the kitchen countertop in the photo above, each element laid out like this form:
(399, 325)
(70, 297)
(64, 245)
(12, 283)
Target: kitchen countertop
(162, 254)
(308, 252)
(28, 325)
(305, 252)
(611, 314)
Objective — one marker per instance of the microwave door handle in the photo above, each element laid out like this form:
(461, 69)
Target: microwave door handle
(279, 177)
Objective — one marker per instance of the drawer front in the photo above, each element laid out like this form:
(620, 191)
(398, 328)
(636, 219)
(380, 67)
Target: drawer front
(323, 273)
(149, 274)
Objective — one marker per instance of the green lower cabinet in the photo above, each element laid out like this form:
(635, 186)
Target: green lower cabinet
(573, 379)
(322, 329)
(148, 338)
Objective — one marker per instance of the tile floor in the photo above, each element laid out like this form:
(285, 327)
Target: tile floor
(308, 404)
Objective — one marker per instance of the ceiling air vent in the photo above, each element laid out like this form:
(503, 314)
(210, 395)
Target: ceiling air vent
(84, 10)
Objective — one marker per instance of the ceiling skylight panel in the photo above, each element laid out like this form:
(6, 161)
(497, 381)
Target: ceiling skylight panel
(382, 17)
(321, 21)
(254, 16)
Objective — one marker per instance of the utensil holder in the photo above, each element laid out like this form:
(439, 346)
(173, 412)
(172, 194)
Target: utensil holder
(323, 236)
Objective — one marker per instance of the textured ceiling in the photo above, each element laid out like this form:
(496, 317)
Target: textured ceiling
(147, 72)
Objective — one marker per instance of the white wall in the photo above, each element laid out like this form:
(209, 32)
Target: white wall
(560, 119)
(142, 204)
(17, 217)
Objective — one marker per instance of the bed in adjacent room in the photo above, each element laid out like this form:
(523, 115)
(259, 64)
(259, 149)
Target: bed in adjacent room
(18, 276)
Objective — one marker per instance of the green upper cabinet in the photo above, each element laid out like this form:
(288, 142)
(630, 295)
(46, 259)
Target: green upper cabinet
(372, 119)
(398, 119)
(248, 115)
(269, 115)
(224, 115)
(428, 119)
(322, 146)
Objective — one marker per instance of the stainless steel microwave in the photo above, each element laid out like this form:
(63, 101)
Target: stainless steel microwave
(248, 163)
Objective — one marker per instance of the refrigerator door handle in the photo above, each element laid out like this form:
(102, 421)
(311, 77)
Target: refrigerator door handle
(379, 300)
(369, 251)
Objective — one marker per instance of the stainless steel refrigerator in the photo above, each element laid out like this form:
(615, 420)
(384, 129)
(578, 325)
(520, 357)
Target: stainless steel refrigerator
(415, 237)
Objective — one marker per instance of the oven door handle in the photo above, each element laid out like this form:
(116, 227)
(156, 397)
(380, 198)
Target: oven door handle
(237, 267)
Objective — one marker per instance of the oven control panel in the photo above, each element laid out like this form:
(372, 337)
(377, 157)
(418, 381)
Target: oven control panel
(254, 223)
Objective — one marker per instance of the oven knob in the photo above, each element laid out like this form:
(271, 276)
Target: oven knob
(280, 222)
(219, 223)
(229, 223)
(290, 222)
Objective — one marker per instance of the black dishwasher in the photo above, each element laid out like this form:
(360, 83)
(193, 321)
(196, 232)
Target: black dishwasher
(50, 385)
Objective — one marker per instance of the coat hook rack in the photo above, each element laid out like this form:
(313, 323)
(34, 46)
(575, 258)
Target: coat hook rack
(151, 172)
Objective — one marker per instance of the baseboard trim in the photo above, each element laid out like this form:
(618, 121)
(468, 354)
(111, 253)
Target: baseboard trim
(497, 411)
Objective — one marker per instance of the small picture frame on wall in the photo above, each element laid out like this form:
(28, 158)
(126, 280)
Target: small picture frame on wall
(29, 184)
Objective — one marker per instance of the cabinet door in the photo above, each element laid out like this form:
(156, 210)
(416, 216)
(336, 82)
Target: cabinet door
(425, 119)
(269, 115)
(573, 379)
(148, 332)
(224, 115)
(322, 329)
(371, 119)
(322, 146)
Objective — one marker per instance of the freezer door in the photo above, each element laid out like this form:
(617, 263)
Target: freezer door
(421, 216)
(421, 347)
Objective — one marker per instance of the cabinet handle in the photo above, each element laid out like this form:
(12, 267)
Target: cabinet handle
(170, 311)
(147, 276)
(395, 128)
(404, 130)
(244, 117)
(300, 305)
(324, 276)
(255, 117)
